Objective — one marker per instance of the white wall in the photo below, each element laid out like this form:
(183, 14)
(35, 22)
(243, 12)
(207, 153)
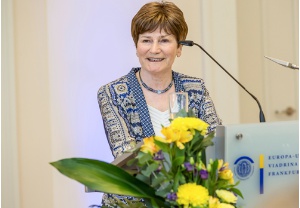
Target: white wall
(212, 24)
(9, 153)
(268, 28)
(31, 88)
(89, 45)
(219, 39)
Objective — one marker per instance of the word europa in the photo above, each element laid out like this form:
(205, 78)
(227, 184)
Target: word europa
(281, 157)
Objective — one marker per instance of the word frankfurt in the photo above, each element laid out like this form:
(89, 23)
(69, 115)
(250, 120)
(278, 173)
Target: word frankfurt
(281, 173)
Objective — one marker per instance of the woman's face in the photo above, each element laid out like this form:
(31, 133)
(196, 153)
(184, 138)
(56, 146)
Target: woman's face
(157, 51)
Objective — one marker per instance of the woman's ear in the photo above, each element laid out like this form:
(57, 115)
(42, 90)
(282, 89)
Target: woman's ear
(179, 49)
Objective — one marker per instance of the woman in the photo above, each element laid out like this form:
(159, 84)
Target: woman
(134, 106)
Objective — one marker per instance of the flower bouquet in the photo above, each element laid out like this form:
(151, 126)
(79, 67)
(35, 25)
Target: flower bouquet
(172, 170)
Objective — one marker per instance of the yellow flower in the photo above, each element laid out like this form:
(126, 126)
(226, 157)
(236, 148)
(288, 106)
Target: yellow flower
(223, 205)
(197, 124)
(226, 196)
(171, 135)
(190, 123)
(185, 136)
(177, 135)
(225, 166)
(224, 172)
(227, 175)
(220, 164)
(213, 202)
(180, 123)
(149, 146)
(182, 130)
(192, 195)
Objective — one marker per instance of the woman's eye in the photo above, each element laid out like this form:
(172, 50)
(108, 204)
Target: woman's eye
(146, 41)
(164, 40)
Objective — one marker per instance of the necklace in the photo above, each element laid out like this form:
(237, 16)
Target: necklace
(153, 90)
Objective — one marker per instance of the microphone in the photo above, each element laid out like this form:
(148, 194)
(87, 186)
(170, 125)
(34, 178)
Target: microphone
(283, 63)
(191, 43)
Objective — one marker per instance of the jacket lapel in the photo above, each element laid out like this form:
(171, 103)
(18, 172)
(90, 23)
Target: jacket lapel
(141, 104)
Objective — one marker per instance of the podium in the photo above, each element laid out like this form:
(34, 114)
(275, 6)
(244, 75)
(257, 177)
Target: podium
(264, 157)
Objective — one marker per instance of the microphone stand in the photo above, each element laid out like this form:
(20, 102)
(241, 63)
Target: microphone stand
(191, 43)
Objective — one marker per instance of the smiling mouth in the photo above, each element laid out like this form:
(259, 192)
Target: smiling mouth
(155, 59)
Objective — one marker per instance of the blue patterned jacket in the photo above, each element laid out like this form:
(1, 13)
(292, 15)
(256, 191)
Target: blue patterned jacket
(125, 114)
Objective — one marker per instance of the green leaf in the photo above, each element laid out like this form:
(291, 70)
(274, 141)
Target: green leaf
(207, 141)
(237, 183)
(179, 158)
(164, 191)
(203, 156)
(191, 113)
(165, 147)
(150, 169)
(200, 142)
(182, 179)
(143, 178)
(238, 192)
(214, 168)
(222, 184)
(181, 113)
(197, 139)
(179, 152)
(177, 178)
(104, 177)
(143, 157)
(177, 162)
(167, 161)
(158, 179)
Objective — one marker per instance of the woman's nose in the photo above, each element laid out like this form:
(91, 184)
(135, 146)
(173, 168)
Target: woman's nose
(155, 48)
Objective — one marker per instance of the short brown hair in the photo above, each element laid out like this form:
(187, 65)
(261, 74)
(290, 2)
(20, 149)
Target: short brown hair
(163, 15)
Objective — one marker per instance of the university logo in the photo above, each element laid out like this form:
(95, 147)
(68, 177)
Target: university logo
(243, 167)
